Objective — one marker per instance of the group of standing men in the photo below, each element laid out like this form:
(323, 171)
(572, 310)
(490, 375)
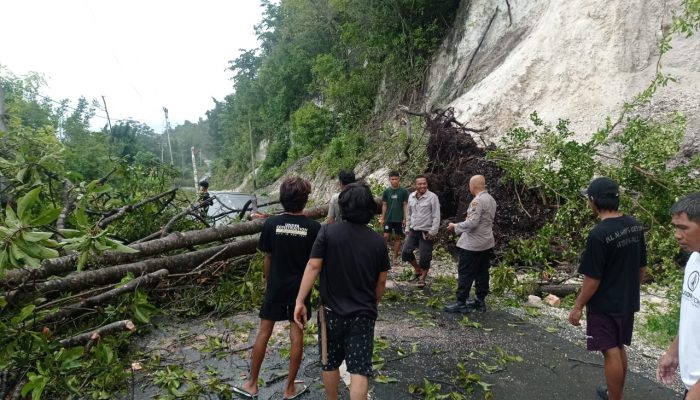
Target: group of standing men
(352, 261)
(417, 217)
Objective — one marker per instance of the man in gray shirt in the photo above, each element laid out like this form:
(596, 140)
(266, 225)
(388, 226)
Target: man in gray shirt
(475, 247)
(344, 178)
(422, 224)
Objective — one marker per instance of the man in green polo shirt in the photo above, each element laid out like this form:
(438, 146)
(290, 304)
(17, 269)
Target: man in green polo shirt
(393, 218)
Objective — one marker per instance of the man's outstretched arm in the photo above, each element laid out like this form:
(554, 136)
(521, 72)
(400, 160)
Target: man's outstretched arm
(313, 268)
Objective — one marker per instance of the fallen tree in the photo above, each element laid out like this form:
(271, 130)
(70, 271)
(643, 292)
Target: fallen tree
(174, 241)
(83, 306)
(173, 264)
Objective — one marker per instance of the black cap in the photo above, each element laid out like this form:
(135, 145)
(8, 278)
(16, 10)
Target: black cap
(603, 187)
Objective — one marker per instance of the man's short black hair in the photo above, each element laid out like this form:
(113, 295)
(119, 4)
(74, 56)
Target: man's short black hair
(204, 184)
(357, 203)
(394, 173)
(346, 177)
(690, 205)
(421, 176)
(294, 193)
(606, 203)
(604, 193)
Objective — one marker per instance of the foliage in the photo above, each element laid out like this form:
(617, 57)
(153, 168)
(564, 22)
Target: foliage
(233, 292)
(22, 244)
(661, 326)
(321, 71)
(637, 152)
(641, 155)
(312, 128)
(50, 206)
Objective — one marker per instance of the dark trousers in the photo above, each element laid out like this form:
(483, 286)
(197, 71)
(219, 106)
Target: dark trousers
(415, 240)
(473, 267)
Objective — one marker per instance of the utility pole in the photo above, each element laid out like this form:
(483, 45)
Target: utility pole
(109, 121)
(252, 154)
(167, 130)
(2, 110)
(194, 170)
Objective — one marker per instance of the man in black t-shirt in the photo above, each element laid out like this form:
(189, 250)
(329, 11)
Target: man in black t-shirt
(613, 268)
(286, 240)
(353, 262)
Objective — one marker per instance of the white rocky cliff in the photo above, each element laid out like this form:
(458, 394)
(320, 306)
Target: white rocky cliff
(572, 60)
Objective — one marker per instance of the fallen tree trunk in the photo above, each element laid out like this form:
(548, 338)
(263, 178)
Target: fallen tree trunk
(176, 240)
(561, 290)
(76, 309)
(174, 264)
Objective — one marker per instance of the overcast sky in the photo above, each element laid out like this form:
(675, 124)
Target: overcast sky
(142, 55)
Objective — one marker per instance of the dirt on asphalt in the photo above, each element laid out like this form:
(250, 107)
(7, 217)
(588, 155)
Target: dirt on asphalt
(421, 353)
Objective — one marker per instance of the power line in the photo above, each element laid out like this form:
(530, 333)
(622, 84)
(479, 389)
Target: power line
(95, 106)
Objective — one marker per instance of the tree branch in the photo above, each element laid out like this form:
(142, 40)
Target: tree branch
(120, 212)
(124, 325)
(83, 306)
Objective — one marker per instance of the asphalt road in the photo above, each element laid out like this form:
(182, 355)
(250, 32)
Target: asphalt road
(419, 348)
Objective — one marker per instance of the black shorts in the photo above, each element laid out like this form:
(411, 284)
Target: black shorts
(395, 228)
(606, 331)
(280, 311)
(350, 339)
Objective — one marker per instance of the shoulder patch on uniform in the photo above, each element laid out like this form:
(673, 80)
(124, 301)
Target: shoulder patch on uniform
(473, 204)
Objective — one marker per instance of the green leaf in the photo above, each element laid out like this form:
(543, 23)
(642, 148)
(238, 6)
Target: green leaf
(11, 218)
(5, 232)
(100, 245)
(4, 259)
(20, 174)
(385, 379)
(26, 202)
(47, 217)
(70, 233)
(117, 246)
(34, 383)
(32, 261)
(81, 218)
(36, 236)
(17, 253)
(82, 260)
(25, 313)
(70, 358)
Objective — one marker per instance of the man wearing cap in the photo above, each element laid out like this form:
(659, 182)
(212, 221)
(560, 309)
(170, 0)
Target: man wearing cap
(684, 351)
(613, 266)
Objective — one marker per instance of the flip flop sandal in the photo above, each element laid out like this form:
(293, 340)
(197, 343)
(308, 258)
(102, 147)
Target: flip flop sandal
(244, 393)
(602, 392)
(300, 391)
(420, 284)
(414, 278)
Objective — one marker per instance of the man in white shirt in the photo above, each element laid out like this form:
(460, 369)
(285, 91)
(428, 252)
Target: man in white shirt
(685, 349)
